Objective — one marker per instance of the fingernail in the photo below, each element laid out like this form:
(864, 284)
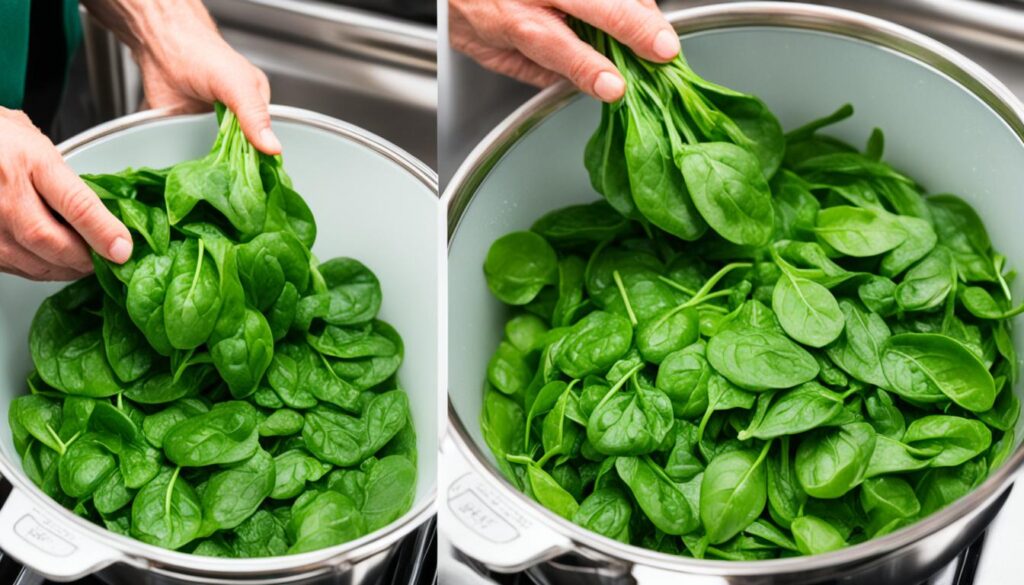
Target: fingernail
(269, 140)
(121, 250)
(609, 86)
(666, 44)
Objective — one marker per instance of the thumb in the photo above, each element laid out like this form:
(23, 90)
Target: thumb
(66, 194)
(245, 94)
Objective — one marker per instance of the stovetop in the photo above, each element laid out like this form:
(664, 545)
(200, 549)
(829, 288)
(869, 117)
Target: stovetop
(414, 563)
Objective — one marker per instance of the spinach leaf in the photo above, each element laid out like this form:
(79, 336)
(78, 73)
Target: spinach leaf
(930, 367)
(593, 344)
(518, 266)
(859, 232)
(607, 512)
(225, 434)
(815, 536)
(795, 411)
(351, 295)
(858, 349)
(326, 519)
(832, 462)
(166, 512)
(951, 439)
(728, 189)
(757, 359)
(657, 495)
(390, 489)
(807, 310)
(927, 284)
(733, 493)
(580, 224)
(234, 493)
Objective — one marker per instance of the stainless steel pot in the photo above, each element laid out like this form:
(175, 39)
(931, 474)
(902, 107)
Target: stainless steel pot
(373, 202)
(947, 121)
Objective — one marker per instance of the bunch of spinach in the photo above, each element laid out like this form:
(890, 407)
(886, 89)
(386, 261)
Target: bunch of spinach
(832, 362)
(683, 154)
(221, 393)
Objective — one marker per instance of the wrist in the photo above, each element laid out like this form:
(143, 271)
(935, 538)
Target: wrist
(148, 27)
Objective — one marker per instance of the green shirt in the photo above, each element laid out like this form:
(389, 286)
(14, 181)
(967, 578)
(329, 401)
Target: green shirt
(14, 32)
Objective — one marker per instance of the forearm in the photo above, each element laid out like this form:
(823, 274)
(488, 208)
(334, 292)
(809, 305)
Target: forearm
(139, 23)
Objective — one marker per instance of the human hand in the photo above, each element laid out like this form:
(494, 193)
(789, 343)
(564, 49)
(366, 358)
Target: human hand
(186, 65)
(34, 183)
(530, 40)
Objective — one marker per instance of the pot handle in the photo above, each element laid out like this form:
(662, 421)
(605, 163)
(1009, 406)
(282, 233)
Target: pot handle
(48, 545)
(486, 525)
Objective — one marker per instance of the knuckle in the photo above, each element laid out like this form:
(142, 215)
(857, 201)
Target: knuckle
(78, 205)
(623, 18)
(527, 31)
(580, 71)
(38, 234)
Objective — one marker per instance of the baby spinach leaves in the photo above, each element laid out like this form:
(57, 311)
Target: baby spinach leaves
(830, 361)
(222, 392)
(683, 153)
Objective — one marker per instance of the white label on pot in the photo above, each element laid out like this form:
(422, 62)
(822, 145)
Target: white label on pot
(485, 511)
(36, 533)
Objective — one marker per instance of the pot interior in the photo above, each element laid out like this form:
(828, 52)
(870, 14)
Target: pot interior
(936, 131)
(366, 205)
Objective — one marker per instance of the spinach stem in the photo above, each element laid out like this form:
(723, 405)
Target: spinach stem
(708, 297)
(704, 292)
(618, 384)
(182, 366)
(849, 393)
(763, 455)
(706, 418)
(199, 268)
(659, 471)
(807, 130)
(718, 276)
(999, 261)
(561, 430)
(56, 437)
(679, 287)
(625, 297)
(170, 490)
(520, 459)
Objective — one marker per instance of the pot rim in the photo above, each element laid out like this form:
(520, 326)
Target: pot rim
(786, 15)
(169, 562)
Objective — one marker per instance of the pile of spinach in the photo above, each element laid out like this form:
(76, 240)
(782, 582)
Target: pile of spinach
(830, 362)
(221, 393)
(684, 154)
